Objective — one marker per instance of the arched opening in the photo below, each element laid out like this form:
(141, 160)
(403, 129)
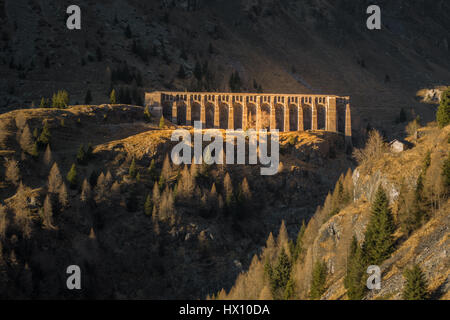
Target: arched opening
(265, 116)
(181, 114)
(279, 117)
(167, 111)
(251, 116)
(340, 109)
(209, 114)
(195, 112)
(237, 116)
(321, 117)
(293, 117)
(307, 117)
(223, 116)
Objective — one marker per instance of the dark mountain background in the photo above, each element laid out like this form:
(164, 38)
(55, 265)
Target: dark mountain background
(313, 46)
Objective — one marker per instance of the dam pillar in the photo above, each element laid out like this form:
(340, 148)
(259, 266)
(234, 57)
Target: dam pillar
(258, 114)
(273, 122)
(216, 114)
(203, 111)
(244, 115)
(314, 114)
(188, 112)
(300, 126)
(348, 125)
(230, 116)
(331, 114)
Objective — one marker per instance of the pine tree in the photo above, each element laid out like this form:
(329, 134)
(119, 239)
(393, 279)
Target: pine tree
(280, 274)
(289, 292)
(148, 205)
(81, 155)
(44, 138)
(446, 174)
(353, 281)
(379, 243)
(132, 170)
(152, 170)
(443, 111)
(112, 97)
(319, 277)
(416, 287)
(72, 177)
(298, 251)
(147, 114)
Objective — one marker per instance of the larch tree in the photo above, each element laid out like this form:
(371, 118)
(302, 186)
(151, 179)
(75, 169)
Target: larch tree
(12, 172)
(156, 196)
(48, 157)
(228, 189)
(63, 196)
(26, 140)
(47, 214)
(54, 179)
(86, 193)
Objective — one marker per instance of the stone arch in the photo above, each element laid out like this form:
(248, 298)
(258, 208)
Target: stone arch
(237, 115)
(195, 111)
(209, 115)
(167, 111)
(181, 113)
(293, 117)
(265, 116)
(223, 116)
(321, 116)
(279, 117)
(251, 116)
(307, 117)
(340, 117)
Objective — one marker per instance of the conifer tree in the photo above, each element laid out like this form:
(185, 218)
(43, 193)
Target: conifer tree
(280, 274)
(289, 292)
(72, 177)
(378, 243)
(152, 170)
(148, 205)
(26, 140)
(62, 196)
(443, 111)
(81, 155)
(48, 158)
(147, 114)
(112, 97)
(115, 193)
(86, 193)
(45, 136)
(156, 196)
(54, 179)
(47, 214)
(165, 172)
(446, 174)
(319, 277)
(162, 123)
(12, 171)
(354, 278)
(416, 287)
(298, 251)
(228, 188)
(132, 170)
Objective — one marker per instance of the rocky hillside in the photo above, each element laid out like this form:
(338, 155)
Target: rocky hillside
(316, 46)
(138, 226)
(420, 236)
